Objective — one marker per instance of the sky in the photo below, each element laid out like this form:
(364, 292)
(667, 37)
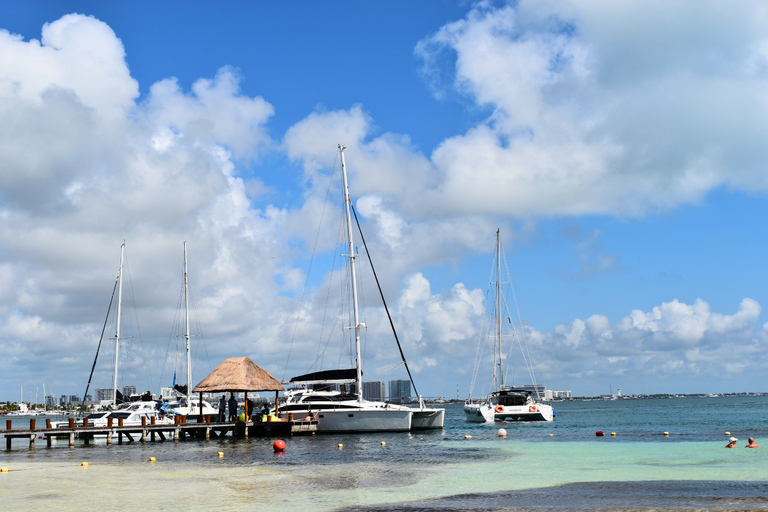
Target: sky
(619, 148)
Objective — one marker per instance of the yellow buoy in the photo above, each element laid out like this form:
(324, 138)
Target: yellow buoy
(152, 459)
(221, 454)
(383, 443)
(666, 433)
(467, 436)
(727, 433)
(613, 433)
(550, 435)
(3, 470)
(83, 464)
(341, 445)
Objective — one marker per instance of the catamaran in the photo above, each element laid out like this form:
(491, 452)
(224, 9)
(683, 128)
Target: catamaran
(505, 402)
(338, 411)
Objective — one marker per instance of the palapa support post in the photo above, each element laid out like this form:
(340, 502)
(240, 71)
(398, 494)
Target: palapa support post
(48, 423)
(8, 424)
(32, 424)
(32, 440)
(110, 420)
(71, 422)
(7, 443)
(48, 440)
(71, 439)
(277, 403)
(109, 435)
(201, 407)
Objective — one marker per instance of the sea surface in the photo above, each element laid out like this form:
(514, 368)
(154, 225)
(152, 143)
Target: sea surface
(558, 466)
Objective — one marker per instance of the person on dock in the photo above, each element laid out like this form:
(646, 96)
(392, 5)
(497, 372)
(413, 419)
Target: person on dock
(232, 407)
(248, 409)
(223, 409)
(732, 442)
(264, 412)
(752, 443)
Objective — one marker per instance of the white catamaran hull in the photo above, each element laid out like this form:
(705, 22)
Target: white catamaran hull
(425, 419)
(486, 412)
(363, 420)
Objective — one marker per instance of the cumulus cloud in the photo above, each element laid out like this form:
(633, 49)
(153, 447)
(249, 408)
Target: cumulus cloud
(569, 129)
(597, 108)
(646, 351)
(85, 166)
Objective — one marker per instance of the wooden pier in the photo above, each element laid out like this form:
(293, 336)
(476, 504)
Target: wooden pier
(155, 432)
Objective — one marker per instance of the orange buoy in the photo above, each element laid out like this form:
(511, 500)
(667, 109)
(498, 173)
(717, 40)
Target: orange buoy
(279, 446)
(498, 408)
(599, 433)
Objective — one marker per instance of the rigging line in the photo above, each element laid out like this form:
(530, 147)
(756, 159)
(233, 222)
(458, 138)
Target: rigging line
(320, 348)
(484, 333)
(200, 329)
(527, 352)
(172, 333)
(309, 270)
(101, 338)
(391, 323)
(136, 319)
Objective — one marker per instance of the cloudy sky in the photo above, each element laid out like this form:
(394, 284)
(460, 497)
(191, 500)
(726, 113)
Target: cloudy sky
(619, 147)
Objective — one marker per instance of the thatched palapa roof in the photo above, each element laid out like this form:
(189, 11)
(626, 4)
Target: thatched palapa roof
(238, 374)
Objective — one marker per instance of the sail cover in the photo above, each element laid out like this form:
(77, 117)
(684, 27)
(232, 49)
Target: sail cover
(327, 376)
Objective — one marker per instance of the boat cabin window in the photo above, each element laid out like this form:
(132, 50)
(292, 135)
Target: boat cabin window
(513, 400)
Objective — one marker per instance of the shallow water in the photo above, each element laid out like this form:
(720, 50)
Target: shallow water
(571, 469)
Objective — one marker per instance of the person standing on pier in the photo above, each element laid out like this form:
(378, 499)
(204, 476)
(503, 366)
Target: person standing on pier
(223, 409)
(232, 407)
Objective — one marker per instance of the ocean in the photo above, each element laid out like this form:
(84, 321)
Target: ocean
(560, 465)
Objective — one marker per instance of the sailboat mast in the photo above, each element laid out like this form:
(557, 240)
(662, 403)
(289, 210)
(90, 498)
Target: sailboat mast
(186, 316)
(119, 319)
(351, 256)
(498, 306)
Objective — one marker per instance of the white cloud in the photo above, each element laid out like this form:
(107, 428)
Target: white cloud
(590, 114)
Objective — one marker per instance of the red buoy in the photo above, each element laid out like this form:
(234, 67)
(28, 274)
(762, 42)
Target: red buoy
(599, 433)
(279, 446)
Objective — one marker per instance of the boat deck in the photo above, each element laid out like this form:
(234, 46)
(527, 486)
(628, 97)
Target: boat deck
(161, 432)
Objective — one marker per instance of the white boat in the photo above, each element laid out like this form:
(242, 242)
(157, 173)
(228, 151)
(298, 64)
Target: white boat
(190, 406)
(505, 403)
(339, 411)
(130, 412)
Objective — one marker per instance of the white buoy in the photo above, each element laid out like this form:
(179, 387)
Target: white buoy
(502, 432)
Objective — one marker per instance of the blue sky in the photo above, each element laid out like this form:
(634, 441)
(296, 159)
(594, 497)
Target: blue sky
(619, 148)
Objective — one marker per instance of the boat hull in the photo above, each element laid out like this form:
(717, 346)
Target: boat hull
(426, 419)
(363, 420)
(482, 413)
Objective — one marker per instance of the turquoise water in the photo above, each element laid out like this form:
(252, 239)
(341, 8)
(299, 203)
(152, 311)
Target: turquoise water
(559, 465)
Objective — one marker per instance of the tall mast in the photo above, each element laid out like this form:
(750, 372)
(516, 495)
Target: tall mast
(351, 256)
(119, 317)
(186, 316)
(498, 306)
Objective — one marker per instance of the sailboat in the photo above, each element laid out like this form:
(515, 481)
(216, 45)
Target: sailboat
(505, 402)
(189, 405)
(340, 411)
(133, 411)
